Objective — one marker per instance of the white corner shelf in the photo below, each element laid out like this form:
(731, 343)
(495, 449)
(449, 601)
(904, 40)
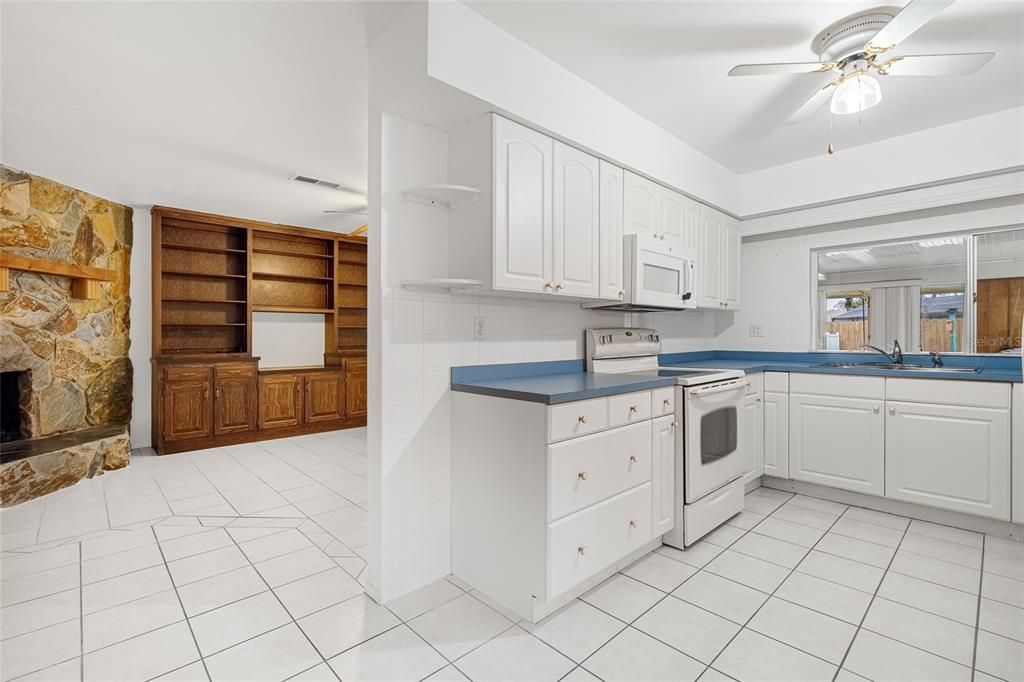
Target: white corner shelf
(452, 286)
(442, 196)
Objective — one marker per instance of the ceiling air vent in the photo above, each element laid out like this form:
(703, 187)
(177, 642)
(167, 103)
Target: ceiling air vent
(322, 183)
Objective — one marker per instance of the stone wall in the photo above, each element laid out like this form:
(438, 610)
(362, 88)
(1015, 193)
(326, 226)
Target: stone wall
(77, 350)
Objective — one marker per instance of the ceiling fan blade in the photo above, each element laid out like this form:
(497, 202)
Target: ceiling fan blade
(817, 100)
(781, 68)
(916, 14)
(936, 64)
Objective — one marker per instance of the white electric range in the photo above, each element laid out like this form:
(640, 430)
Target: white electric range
(709, 462)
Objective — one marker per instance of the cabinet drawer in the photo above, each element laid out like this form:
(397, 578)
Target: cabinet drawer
(711, 511)
(187, 373)
(239, 369)
(949, 392)
(663, 401)
(583, 544)
(629, 408)
(755, 383)
(586, 470)
(577, 419)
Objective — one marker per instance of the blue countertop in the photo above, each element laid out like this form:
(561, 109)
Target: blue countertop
(564, 381)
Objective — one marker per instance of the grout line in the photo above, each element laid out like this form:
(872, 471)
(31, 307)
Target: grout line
(977, 620)
(860, 625)
(181, 605)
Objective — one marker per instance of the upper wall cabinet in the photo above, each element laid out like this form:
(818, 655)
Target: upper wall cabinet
(610, 272)
(659, 211)
(719, 261)
(577, 209)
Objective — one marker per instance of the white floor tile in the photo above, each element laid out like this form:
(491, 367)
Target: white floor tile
(241, 620)
(576, 630)
(868, 532)
(200, 566)
(113, 565)
(40, 649)
(886, 660)
(935, 530)
(275, 545)
(39, 613)
(635, 657)
(623, 597)
(345, 625)
(752, 656)
(422, 600)
(934, 570)
(878, 518)
(823, 596)
(211, 593)
(579, 674)
(940, 636)
(1006, 590)
(720, 596)
(724, 535)
(289, 567)
(398, 654)
(858, 550)
(103, 628)
(818, 504)
(843, 571)
(769, 549)
(40, 584)
(318, 673)
(697, 555)
(272, 656)
(806, 517)
(1002, 619)
(458, 626)
(932, 597)
(946, 550)
(789, 532)
(68, 671)
(746, 520)
(694, 631)
(660, 572)
(193, 672)
(315, 592)
(1000, 656)
(748, 570)
(806, 630)
(29, 564)
(198, 543)
(125, 588)
(143, 657)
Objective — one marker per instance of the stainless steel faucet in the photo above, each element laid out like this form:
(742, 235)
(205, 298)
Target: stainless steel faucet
(936, 359)
(895, 357)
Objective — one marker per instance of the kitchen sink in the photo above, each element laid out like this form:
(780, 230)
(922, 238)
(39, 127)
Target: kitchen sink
(902, 368)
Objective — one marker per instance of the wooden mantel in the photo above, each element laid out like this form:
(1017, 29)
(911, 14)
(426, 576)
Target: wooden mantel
(85, 279)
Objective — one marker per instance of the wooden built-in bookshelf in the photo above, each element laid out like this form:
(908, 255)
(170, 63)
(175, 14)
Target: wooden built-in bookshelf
(211, 273)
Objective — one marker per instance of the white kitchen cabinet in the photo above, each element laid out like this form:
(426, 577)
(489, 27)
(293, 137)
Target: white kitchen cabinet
(673, 213)
(547, 500)
(776, 424)
(523, 217)
(663, 462)
(947, 444)
(576, 225)
(837, 431)
(642, 205)
(719, 261)
(1017, 463)
(609, 273)
(753, 424)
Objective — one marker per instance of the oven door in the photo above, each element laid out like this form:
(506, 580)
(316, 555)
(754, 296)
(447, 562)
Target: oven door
(712, 424)
(662, 274)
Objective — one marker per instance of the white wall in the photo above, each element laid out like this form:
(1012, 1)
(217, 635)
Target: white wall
(288, 339)
(140, 331)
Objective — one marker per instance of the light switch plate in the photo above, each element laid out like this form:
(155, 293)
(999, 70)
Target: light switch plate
(479, 328)
(756, 330)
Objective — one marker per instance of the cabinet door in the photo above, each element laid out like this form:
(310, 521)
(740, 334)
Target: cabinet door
(609, 272)
(837, 441)
(663, 477)
(522, 208)
(710, 261)
(280, 400)
(950, 457)
(355, 390)
(577, 208)
(234, 405)
(776, 434)
(324, 399)
(731, 265)
(691, 225)
(186, 410)
(673, 213)
(753, 438)
(641, 204)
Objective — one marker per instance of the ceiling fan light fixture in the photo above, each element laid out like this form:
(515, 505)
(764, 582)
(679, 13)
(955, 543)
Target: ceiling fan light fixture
(856, 93)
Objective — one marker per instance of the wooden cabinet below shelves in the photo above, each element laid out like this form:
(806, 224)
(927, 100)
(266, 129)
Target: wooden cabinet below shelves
(234, 405)
(323, 400)
(280, 400)
(186, 409)
(355, 387)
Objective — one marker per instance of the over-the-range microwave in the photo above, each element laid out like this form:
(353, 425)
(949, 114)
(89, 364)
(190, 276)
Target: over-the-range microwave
(659, 273)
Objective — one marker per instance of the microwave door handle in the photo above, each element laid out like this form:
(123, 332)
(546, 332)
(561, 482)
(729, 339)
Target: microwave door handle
(688, 276)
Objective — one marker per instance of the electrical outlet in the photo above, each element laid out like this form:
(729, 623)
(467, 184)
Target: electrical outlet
(756, 330)
(479, 328)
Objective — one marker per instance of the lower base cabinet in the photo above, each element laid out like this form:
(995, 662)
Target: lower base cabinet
(280, 401)
(837, 432)
(752, 440)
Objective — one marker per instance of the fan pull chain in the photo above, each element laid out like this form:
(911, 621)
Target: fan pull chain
(831, 149)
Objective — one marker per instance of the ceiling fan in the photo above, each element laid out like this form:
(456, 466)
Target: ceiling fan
(862, 44)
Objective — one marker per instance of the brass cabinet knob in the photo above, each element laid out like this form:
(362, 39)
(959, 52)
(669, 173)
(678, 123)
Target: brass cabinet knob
(559, 286)
(632, 524)
(892, 410)
(582, 549)
(666, 403)
(547, 285)
(632, 458)
(622, 294)
(582, 419)
(633, 408)
(582, 475)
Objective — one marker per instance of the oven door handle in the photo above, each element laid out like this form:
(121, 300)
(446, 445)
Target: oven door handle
(711, 390)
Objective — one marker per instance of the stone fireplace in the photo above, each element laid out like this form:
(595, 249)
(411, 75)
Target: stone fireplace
(65, 377)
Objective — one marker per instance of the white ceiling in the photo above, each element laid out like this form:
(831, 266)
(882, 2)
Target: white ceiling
(203, 105)
(668, 61)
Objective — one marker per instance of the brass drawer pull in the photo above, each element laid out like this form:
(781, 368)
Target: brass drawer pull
(582, 475)
(632, 458)
(581, 550)
(666, 403)
(633, 408)
(582, 419)
(632, 524)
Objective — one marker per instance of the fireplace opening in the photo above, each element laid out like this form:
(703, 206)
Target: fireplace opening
(11, 427)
